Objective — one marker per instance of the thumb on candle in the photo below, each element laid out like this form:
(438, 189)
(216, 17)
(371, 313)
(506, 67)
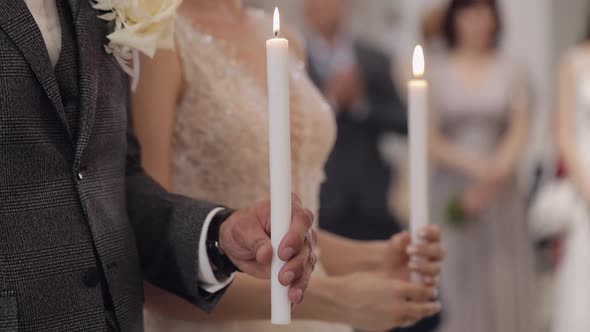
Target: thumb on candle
(396, 257)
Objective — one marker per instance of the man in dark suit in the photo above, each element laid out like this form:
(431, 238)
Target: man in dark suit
(81, 224)
(357, 80)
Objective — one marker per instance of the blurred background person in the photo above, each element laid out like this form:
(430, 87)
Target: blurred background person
(431, 28)
(201, 117)
(480, 120)
(572, 296)
(357, 81)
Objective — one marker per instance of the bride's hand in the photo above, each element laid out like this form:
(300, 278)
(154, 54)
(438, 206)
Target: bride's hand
(373, 302)
(245, 239)
(425, 257)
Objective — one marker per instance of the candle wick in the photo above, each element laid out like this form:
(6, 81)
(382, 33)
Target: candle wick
(276, 34)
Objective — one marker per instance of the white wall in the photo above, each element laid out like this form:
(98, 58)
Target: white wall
(529, 39)
(570, 21)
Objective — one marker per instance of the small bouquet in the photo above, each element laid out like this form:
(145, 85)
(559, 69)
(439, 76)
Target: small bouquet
(455, 213)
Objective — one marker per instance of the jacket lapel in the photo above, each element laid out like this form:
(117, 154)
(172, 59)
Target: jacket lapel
(90, 47)
(20, 26)
(75, 7)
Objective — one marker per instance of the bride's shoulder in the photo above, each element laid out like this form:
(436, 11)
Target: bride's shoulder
(296, 41)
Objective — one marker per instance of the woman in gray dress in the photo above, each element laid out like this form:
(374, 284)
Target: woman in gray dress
(479, 129)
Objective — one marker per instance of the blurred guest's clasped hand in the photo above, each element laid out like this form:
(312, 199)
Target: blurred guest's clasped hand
(488, 178)
(346, 89)
(245, 239)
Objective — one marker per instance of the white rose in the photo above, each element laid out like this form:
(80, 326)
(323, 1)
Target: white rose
(144, 25)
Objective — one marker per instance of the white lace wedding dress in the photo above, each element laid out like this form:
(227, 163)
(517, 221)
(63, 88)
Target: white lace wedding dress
(220, 148)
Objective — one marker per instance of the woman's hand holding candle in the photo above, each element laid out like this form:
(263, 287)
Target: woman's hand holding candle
(402, 257)
(370, 301)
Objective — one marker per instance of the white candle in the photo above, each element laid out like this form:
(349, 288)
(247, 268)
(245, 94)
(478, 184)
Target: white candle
(418, 132)
(277, 52)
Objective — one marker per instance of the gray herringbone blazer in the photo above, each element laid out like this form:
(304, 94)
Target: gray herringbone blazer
(80, 222)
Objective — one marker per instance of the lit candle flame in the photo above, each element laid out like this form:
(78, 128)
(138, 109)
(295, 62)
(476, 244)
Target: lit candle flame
(418, 62)
(276, 22)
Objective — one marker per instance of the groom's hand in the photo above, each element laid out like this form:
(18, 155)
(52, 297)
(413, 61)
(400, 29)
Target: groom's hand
(245, 239)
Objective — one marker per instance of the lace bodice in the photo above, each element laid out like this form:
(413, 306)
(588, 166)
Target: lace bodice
(220, 148)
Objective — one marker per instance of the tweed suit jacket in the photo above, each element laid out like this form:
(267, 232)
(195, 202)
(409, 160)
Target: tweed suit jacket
(81, 224)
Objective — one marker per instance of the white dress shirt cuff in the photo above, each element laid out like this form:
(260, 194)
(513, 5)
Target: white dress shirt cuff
(207, 279)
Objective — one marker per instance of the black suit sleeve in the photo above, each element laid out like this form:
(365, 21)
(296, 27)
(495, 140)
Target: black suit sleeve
(387, 112)
(167, 229)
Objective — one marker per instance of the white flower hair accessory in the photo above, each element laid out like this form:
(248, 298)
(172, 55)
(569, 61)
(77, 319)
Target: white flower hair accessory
(138, 26)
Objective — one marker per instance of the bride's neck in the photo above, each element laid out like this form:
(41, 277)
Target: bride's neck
(217, 9)
(216, 5)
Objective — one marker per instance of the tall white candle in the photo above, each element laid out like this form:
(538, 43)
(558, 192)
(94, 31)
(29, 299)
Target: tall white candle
(277, 52)
(418, 132)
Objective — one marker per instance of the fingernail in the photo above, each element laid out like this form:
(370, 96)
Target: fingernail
(314, 259)
(415, 259)
(288, 253)
(412, 250)
(435, 293)
(299, 296)
(289, 277)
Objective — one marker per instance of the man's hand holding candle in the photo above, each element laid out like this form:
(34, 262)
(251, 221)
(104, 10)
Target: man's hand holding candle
(245, 239)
